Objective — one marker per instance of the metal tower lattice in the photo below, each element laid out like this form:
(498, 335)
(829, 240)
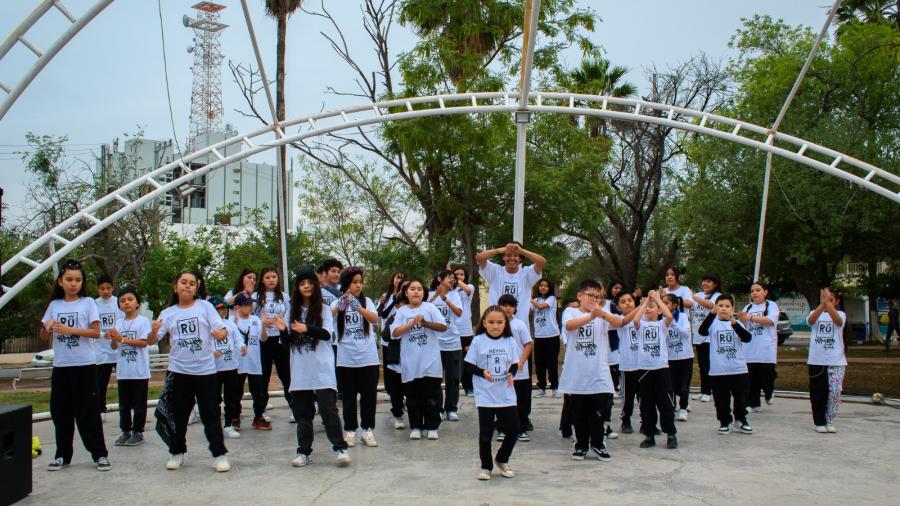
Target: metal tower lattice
(206, 90)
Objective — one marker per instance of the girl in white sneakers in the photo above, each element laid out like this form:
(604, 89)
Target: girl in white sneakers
(827, 360)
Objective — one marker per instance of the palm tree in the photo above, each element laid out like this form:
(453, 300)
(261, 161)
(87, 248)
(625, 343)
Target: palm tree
(596, 76)
(869, 11)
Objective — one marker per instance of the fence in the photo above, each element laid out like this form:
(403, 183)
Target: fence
(30, 344)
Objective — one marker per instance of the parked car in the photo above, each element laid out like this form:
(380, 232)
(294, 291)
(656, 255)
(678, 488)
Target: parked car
(783, 327)
(45, 358)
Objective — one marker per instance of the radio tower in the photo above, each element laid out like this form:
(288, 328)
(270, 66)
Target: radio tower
(206, 91)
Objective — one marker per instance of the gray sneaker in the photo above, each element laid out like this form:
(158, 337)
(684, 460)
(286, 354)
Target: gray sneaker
(123, 439)
(136, 439)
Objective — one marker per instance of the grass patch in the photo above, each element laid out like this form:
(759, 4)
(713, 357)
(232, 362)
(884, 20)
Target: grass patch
(40, 401)
(852, 352)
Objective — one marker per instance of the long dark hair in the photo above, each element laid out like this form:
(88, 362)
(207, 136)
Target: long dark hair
(261, 288)
(313, 312)
(173, 300)
(347, 279)
(461, 267)
(405, 290)
(441, 276)
(390, 285)
(57, 291)
(239, 284)
(537, 288)
(201, 284)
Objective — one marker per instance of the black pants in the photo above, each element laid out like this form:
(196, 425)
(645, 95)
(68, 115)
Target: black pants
(257, 392)
(393, 386)
(73, 402)
(188, 388)
(818, 393)
(614, 372)
(450, 361)
(655, 387)
(523, 402)
(702, 354)
(681, 371)
(104, 372)
(565, 416)
(762, 379)
(724, 389)
(546, 361)
(132, 397)
(361, 381)
(587, 414)
(271, 352)
(467, 371)
(304, 411)
(629, 392)
(507, 419)
(230, 389)
(423, 401)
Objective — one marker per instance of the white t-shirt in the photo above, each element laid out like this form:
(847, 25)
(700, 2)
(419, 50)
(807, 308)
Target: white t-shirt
(698, 314)
(726, 351)
(682, 291)
(420, 353)
(109, 314)
(521, 337)
(189, 329)
(652, 351)
(328, 299)
(313, 369)
(464, 322)
(545, 319)
(496, 356)
(272, 307)
(356, 348)
(826, 340)
(133, 362)
(250, 331)
(763, 348)
(586, 367)
(679, 338)
(230, 349)
(71, 350)
(628, 348)
(518, 285)
(449, 339)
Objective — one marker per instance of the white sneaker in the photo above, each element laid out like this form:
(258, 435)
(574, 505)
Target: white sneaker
(505, 470)
(704, 398)
(398, 423)
(175, 462)
(443, 416)
(230, 433)
(266, 416)
(432, 434)
(350, 438)
(689, 408)
(696, 397)
(770, 401)
(415, 434)
(301, 460)
(453, 416)
(617, 395)
(757, 409)
(830, 428)
(682, 415)
(292, 419)
(556, 394)
(368, 438)
(194, 418)
(221, 464)
(484, 475)
(821, 429)
(343, 458)
(540, 393)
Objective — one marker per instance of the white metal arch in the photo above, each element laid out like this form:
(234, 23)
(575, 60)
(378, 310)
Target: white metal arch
(116, 205)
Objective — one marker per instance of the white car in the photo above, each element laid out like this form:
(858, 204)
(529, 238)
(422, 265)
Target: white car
(45, 358)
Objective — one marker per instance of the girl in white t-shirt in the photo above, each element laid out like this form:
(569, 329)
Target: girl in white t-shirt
(546, 337)
(72, 324)
(628, 369)
(129, 339)
(494, 358)
(704, 302)
(466, 293)
(418, 325)
(762, 351)
(446, 299)
(273, 307)
(655, 383)
(827, 359)
(674, 286)
(246, 284)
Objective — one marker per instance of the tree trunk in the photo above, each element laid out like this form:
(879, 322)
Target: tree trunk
(283, 224)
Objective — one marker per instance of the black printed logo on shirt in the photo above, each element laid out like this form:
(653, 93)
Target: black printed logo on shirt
(445, 312)
(825, 334)
(129, 353)
(224, 347)
(675, 343)
(755, 328)
(496, 360)
(69, 320)
(726, 344)
(651, 341)
(632, 332)
(511, 288)
(540, 318)
(352, 327)
(189, 335)
(107, 321)
(416, 334)
(585, 340)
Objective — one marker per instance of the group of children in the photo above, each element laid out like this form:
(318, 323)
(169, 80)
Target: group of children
(322, 340)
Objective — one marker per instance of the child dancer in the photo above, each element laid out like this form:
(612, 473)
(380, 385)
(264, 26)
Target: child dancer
(129, 340)
(759, 318)
(273, 308)
(704, 302)
(628, 347)
(108, 308)
(681, 355)
(727, 366)
(827, 361)
(252, 335)
(312, 369)
(447, 301)
(72, 324)
(229, 384)
(655, 382)
(493, 355)
(393, 384)
(464, 323)
(509, 304)
(546, 337)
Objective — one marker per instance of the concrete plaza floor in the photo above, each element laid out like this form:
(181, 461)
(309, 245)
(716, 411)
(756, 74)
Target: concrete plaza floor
(783, 462)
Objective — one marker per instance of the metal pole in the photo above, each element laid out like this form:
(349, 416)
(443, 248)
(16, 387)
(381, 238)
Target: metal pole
(519, 195)
(532, 12)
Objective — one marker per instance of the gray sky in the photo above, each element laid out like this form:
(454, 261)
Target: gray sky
(109, 81)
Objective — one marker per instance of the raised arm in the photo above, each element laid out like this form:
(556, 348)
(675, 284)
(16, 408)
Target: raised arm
(538, 261)
(483, 257)
(663, 307)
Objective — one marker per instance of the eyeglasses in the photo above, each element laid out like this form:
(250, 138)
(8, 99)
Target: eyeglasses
(592, 296)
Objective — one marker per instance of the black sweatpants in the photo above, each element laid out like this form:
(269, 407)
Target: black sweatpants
(257, 389)
(104, 372)
(230, 389)
(565, 416)
(362, 382)
(73, 402)
(724, 389)
(507, 420)
(655, 387)
(614, 372)
(188, 388)
(393, 386)
(702, 354)
(423, 402)
(132, 397)
(467, 371)
(587, 414)
(681, 371)
(271, 352)
(523, 402)
(546, 361)
(818, 393)
(761, 379)
(304, 410)
(450, 361)
(629, 392)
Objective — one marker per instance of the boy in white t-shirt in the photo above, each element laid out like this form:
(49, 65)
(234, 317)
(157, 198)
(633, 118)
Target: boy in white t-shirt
(512, 278)
(228, 353)
(523, 342)
(108, 307)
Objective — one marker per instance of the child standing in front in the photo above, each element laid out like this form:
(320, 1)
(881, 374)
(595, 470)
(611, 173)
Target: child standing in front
(494, 359)
(655, 381)
(546, 337)
(230, 385)
(273, 307)
(522, 338)
(762, 351)
(108, 308)
(628, 346)
(72, 324)
(252, 335)
(827, 360)
(129, 339)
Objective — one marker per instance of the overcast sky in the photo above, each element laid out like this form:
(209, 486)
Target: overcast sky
(109, 80)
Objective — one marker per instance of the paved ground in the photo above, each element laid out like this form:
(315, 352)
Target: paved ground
(783, 462)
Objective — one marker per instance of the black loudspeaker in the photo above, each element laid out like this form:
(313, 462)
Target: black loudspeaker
(15, 452)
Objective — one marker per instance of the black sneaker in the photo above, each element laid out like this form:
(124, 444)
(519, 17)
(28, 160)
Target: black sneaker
(672, 442)
(648, 442)
(566, 434)
(56, 464)
(123, 439)
(136, 439)
(103, 464)
(601, 452)
(529, 427)
(578, 454)
(626, 427)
